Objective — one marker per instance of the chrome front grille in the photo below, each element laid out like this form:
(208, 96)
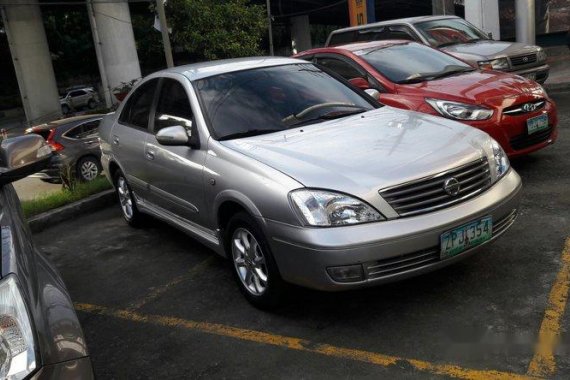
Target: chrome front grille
(523, 59)
(502, 225)
(386, 267)
(519, 109)
(430, 193)
(415, 260)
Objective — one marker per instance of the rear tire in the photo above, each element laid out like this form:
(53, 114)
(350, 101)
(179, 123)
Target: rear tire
(88, 168)
(65, 109)
(129, 209)
(252, 263)
(91, 104)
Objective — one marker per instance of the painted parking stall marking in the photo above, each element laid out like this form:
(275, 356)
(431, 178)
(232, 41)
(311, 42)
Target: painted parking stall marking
(543, 362)
(300, 344)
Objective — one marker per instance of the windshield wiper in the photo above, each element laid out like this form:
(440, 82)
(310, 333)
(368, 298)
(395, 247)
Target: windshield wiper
(449, 70)
(448, 73)
(471, 41)
(327, 116)
(248, 133)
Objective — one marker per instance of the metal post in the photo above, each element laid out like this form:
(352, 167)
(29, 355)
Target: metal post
(525, 21)
(164, 32)
(268, 2)
(97, 42)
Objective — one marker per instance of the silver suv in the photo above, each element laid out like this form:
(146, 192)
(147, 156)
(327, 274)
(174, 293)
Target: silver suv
(298, 177)
(78, 98)
(457, 37)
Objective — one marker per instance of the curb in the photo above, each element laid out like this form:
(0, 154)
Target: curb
(49, 218)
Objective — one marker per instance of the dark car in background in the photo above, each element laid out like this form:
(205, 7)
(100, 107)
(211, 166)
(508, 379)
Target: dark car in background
(457, 37)
(75, 142)
(40, 335)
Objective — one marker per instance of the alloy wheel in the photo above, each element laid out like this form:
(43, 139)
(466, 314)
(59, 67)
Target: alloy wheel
(89, 170)
(249, 261)
(125, 198)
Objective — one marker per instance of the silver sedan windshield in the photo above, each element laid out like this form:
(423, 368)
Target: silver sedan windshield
(272, 99)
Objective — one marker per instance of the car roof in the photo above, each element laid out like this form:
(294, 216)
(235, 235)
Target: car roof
(68, 120)
(202, 70)
(354, 47)
(408, 20)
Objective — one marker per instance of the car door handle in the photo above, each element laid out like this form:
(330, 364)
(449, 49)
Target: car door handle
(116, 140)
(150, 154)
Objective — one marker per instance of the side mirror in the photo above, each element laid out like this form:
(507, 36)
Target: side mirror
(361, 83)
(175, 135)
(373, 93)
(22, 156)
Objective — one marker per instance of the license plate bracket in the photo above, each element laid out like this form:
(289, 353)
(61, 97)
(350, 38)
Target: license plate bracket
(464, 237)
(537, 123)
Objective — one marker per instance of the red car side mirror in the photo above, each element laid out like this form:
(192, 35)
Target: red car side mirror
(360, 83)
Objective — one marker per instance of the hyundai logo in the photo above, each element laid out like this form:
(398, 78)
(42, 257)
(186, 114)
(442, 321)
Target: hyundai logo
(529, 107)
(451, 186)
(525, 59)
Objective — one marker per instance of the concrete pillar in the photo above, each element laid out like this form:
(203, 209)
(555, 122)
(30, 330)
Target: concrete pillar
(525, 24)
(442, 7)
(300, 33)
(117, 41)
(484, 14)
(32, 60)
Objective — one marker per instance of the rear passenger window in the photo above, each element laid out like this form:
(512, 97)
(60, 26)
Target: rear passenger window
(137, 109)
(342, 68)
(400, 33)
(342, 38)
(75, 94)
(85, 131)
(173, 106)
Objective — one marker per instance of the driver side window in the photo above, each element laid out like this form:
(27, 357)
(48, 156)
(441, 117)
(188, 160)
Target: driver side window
(173, 106)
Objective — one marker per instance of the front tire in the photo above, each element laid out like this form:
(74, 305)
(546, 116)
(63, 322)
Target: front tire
(131, 214)
(91, 104)
(253, 265)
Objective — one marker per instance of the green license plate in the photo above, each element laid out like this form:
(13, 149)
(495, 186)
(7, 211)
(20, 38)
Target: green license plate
(467, 236)
(537, 123)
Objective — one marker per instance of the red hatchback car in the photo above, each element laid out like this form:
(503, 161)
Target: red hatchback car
(515, 111)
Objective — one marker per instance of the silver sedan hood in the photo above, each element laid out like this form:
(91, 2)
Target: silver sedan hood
(366, 152)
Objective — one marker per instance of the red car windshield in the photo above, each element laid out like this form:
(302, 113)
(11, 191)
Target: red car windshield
(447, 32)
(412, 63)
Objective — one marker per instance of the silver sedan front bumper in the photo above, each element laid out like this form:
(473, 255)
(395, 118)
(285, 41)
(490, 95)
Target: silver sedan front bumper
(389, 250)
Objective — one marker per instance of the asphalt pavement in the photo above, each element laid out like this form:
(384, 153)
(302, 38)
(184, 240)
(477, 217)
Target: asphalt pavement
(155, 303)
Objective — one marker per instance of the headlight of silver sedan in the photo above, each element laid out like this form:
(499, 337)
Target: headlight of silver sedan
(17, 355)
(500, 162)
(460, 111)
(541, 55)
(327, 209)
(494, 64)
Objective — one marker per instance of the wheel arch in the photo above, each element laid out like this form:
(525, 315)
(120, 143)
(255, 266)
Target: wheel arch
(228, 203)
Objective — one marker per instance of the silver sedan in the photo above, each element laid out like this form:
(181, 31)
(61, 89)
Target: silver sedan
(297, 177)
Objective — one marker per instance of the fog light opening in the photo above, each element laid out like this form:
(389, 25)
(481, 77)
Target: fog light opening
(347, 273)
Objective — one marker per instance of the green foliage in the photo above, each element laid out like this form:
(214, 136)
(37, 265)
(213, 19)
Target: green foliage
(50, 201)
(149, 42)
(217, 29)
(70, 42)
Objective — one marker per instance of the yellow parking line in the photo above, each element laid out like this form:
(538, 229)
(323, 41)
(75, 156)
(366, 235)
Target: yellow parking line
(158, 291)
(543, 362)
(299, 344)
